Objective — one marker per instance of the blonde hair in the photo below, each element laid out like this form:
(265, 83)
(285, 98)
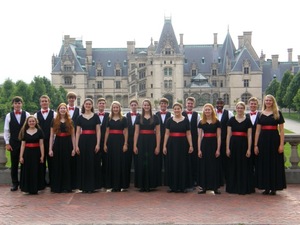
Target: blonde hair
(26, 126)
(213, 114)
(120, 114)
(177, 104)
(274, 106)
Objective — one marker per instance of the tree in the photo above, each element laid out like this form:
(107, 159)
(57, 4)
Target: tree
(292, 91)
(286, 80)
(272, 88)
(296, 101)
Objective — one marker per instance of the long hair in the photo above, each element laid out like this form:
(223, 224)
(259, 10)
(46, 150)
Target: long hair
(85, 100)
(68, 121)
(274, 106)
(120, 114)
(26, 126)
(214, 117)
(143, 112)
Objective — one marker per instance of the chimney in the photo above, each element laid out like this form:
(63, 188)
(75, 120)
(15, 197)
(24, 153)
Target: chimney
(241, 41)
(130, 47)
(275, 62)
(247, 36)
(290, 54)
(215, 40)
(181, 39)
(88, 52)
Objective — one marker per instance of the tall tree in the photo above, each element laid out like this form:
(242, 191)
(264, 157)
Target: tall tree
(292, 91)
(286, 80)
(296, 101)
(272, 88)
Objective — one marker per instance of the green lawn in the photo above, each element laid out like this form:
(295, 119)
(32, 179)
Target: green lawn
(293, 116)
(1, 125)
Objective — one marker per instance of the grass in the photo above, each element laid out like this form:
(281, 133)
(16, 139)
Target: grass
(293, 116)
(1, 125)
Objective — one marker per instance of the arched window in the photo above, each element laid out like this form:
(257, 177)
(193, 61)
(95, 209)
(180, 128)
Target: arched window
(245, 97)
(226, 99)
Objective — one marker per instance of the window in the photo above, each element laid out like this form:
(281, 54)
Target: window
(168, 71)
(226, 99)
(151, 62)
(142, 65)
(151, 73)
(151, 95)
(168, 84)
(168, 51)
(108, 63)
(219, 60)
(246, 83)
(125, 63)
(99, 73)
(165, 62)
(118, 84)
(118, 72)
(214, 83)
(67, 68)
(245, 97)
(99, 84)
(68, 80)
(185, 83)
(194, 73)
(133, 66)
(214, 72)
(151, 85)
(221, 83)
(142, 74)
(185, 61)
(171, 62)
(133, 89)
(246, 70)
(78, 100)
(203, 60)
(142, 86)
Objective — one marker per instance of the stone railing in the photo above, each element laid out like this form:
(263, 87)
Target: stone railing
(292, 159)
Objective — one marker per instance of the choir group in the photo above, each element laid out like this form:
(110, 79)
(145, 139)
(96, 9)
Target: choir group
(88, 151)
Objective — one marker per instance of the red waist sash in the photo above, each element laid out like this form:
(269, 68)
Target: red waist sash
(116, 131)
(63, 134)
(177, 134)
(88, 132)
(269, 127)
(209, 135)
(244, 134)
(146, 131)
(32, 145)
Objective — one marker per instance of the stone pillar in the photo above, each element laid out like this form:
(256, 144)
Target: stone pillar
(3, 158)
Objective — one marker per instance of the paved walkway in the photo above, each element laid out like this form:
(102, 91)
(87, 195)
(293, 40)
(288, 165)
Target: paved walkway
(292, 125)
(157, 207)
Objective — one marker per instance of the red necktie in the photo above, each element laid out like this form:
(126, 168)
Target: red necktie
(71, 108)
(252, 113)
(45, 111)
(101, 114)
(133, 114)
(18, 112)
(163, 112)
(189, 112)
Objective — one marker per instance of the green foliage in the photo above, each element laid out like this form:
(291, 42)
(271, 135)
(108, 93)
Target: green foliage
(292, 91)
(286, 80)
(272, 88)
(296, 100)
(30, 94)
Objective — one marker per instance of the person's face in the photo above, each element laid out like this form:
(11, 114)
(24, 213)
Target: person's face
(71, 100)
(101, 106)
(62, 110)
(88, 105)
(253, 106)
(31, 122)
(163, 106)
(116, 109)
(189, 105)
(207, 111)
(220, 105)
(268, 102)
(146, 106)
(44, 103)
(177, 110)
(133, 106)
(17, 106)
(240, 109)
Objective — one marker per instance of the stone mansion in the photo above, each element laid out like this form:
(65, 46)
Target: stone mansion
(168, 69)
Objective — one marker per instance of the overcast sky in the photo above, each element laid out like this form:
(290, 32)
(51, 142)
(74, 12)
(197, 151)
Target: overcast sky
(32, 30)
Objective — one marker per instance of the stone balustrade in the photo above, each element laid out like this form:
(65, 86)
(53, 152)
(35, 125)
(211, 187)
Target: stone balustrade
(292, 159)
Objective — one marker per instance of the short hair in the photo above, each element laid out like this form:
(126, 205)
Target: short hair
(101, 100)
(133, 100)
(17, 99)
(71, 94)
(45, 96)
(190, 99)
(241, 103)
(253, 99)
(165, 100)
(220, 100)
(177, 104)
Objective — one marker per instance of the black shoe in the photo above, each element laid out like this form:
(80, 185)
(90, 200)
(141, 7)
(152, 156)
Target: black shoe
(272, 193)
(266, 192)
(203, 191)
(217, 192)
(14, 188)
